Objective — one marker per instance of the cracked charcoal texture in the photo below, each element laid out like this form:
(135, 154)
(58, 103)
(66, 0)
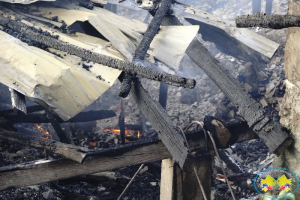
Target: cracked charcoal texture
(267, 21)
(126, 66)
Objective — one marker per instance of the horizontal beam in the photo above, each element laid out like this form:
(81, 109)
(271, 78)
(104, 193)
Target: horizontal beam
(42, 118)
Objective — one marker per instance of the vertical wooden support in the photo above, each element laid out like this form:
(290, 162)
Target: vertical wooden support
(167, 179)
(178, 185)
(18, 101)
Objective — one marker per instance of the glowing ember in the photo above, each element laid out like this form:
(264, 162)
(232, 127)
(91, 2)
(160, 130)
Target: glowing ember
(93, 143)
(118, 131)
(40, 129)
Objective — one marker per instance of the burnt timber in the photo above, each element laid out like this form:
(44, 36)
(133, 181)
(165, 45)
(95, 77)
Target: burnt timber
(162, 123)
(144, 45)
(267, 21)
(139, 152)
(271, 133)
(126, 66)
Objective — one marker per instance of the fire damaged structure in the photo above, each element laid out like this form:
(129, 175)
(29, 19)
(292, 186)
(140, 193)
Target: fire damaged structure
(71, 57)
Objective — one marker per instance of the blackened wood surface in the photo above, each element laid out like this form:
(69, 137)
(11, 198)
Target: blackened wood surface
(162, 123)
(18, 101)
(30, 109)
(267, 21)
(55, 124)
(32, 34)
(42, 118)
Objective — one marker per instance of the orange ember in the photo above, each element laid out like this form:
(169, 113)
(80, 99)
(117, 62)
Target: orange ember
(40, 129)
(93, 143)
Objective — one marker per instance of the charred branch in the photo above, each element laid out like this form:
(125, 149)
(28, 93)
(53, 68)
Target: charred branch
(42, 118)
(71, 152)
(267, 21)
(144, 45)
(32, 34)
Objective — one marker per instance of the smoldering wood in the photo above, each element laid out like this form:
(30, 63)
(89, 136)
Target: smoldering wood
(42, 118)
(32, 34)
(162, 123)
(72, 152)
(267, 21)
(102, 160)
(144, 45)
(18, 101)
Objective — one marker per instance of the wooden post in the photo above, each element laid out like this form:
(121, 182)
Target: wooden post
(167, 179)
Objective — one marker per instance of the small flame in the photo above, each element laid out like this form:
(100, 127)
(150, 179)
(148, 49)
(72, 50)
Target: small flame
(40, 129)
(138, 135)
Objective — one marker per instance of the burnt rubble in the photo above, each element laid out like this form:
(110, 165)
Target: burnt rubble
(102, 135)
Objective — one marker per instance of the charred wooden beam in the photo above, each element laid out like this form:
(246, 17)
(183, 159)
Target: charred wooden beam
(42, 118)
(72, 152)
(267, 21)
(54, 122)
(18, 101)
(30, 109)
(144, 45)
(122, 123)
(31, 33)
(162, 123)
(102, 160)
(270, 132)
